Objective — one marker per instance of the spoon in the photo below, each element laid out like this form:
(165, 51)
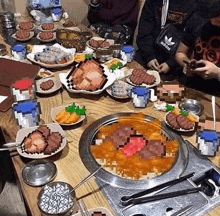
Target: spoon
(213, 111)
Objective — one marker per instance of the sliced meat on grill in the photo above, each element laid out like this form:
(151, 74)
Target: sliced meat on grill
(46, 35)
(26, 25)
(22, 34)
(154, 148)
(121, 136)
(35, 143)
(54, 142)
(44, 130)
(45, 86)
(47, 26)
(184, 122)
(172, 120)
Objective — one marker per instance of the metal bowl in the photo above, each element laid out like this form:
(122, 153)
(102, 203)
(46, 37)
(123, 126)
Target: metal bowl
(191, 105)
(41, 199)
(39, 172)
(104, 55)
(117, 181)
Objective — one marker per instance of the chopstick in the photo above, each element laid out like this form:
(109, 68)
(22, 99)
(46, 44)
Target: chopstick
(84, 207)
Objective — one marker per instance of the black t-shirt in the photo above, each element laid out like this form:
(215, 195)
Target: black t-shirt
(204, 39)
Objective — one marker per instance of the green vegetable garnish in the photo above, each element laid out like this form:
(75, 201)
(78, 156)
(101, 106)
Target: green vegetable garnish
(88, 56)
(119, 64)
(169, 108)
(113, 67)
(71, 109)
(185, 113)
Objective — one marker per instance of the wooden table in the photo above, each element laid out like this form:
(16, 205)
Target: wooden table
(69, 165)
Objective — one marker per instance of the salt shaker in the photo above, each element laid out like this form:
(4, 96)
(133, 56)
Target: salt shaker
(18, 51)
(127, 53)
(56, 14)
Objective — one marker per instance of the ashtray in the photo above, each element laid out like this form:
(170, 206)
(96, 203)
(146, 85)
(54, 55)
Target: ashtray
(39, 172)
(191, 105)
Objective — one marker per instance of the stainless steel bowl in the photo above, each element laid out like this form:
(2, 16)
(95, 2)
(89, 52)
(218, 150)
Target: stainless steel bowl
(39, 172)
(191, 105)
(116, 49)
(91, 164)
(104, 55)
(8, 24)
(41, 199)
(7, 16)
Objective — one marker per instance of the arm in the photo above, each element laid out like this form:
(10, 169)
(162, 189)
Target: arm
(182, 54)
(146, 36)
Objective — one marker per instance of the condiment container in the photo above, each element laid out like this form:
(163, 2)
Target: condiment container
(208, 142)
(127, 53)
(27, 113)
(56, 14)
(104, 55)
(3, 50)
(55, 199)
(18, 51)
(141, 95)
(116, 49)
(23, 90)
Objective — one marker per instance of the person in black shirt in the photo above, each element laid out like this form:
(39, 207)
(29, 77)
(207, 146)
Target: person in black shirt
(202, 38)
(148, 54)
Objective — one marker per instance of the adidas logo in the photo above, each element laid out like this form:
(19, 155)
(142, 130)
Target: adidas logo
(168, 41)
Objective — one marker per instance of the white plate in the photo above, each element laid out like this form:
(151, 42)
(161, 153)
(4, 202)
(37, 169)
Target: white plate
(52, 39)
(57, 85)
(25, 39)
(109, 91)
(44, 76)
(39, 48)
(55, 110)
(24, 132)
(99, 38)
(40, 28)
(110, 61)
(34, 26)
(181, 130)
(111, 77)
(103, 210)
(151, 72)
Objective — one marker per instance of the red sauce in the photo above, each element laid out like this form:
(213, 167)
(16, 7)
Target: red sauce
(25, 84)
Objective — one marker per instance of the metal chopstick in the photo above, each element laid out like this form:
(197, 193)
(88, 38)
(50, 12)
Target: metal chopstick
(125, 200)
(84, 208)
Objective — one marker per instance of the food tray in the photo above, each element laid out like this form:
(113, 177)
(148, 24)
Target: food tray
(151, 72)
(52, 39)
(40, 28)
(39, 48)
(103, 210)
(34, 26)
(25, 39)
(22, 133)
(114, 180)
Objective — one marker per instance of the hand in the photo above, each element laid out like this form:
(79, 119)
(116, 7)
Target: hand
(164, 68)
(209, 70)
(153, 64)
(189, 67)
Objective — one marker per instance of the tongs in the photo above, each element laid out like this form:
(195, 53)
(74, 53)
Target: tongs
(134, 199)
(8, 146)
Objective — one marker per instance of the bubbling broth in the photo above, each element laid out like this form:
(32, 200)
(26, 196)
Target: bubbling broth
(134, 148)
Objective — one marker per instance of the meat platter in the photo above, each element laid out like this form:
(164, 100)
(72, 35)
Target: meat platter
(181, 121)
(31, 34)
(48, 85)
(26, 132)
(101, 42)
(26, 26)
(39, 48)
(49, 27)
(150, 73)
(89, 136)
(46, 36)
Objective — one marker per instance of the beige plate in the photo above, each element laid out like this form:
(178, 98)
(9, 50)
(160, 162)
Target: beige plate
(99, 38)
(104, 211)
(56, 110)
(34, 26)
(181, 130)
(151, 72)
(52, 39)
(22, 133)
(44, 76)
(25, 39)
(40, 28)
(57, 85)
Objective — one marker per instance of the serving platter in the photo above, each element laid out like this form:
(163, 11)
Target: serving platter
(117, 181)
(24, 39)
(24, 132)
(34, 26)
(40, 28)
(111, 42)
(150, 72)
(49, 40)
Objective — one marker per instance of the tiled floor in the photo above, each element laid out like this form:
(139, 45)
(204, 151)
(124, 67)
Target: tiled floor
(11, 203)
